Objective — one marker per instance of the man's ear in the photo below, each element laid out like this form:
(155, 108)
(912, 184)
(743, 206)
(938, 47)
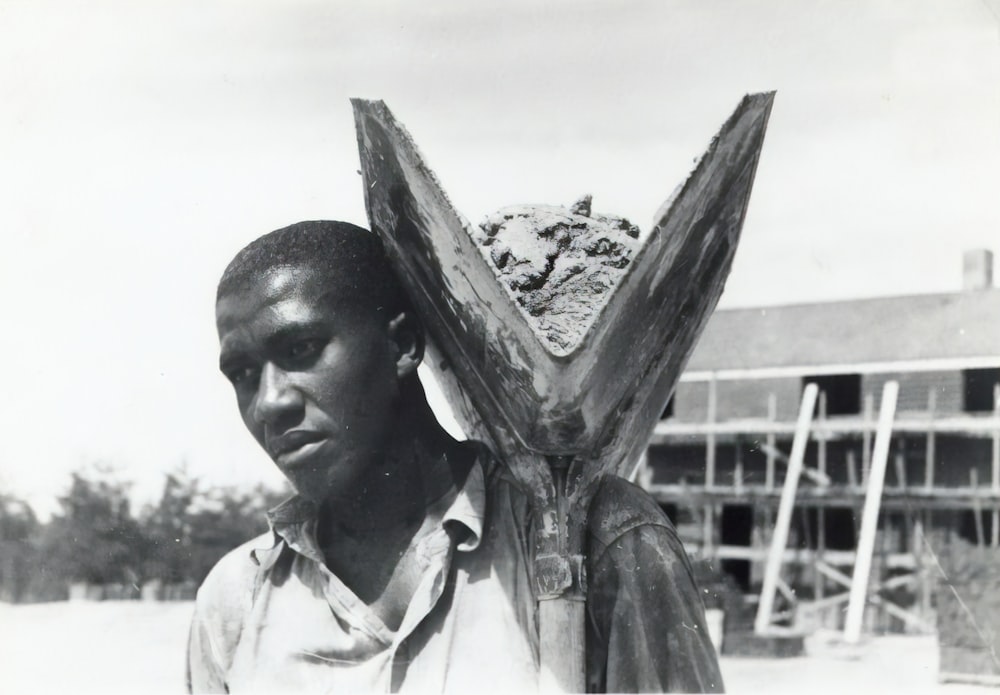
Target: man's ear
(406, 337)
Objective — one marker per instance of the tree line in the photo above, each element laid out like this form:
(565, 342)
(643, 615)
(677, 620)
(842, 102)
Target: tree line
(97, 538)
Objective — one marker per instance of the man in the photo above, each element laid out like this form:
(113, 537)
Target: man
(403, 561)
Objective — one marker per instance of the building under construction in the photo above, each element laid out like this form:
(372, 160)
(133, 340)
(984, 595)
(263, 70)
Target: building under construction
(743, 413)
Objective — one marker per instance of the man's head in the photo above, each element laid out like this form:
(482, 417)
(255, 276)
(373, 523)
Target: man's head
(317, 338)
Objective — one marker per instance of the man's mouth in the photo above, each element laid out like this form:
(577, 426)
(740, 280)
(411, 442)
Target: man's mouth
(293, 443)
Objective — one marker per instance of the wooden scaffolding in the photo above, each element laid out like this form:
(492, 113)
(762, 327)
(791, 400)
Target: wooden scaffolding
(899, 557)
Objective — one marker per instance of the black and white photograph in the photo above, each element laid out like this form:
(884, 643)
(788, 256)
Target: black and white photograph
(454, 347)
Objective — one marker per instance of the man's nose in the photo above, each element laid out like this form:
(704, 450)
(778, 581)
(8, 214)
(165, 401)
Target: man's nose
(277, 398)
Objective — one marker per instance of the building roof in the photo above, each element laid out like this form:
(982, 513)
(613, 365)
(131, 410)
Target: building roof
(961, 327)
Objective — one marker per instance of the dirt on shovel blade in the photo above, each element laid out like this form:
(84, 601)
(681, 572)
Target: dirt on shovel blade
(559, 264)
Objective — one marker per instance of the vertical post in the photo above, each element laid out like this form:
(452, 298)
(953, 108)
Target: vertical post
(821, 439)
(772, 416)
(759, 538)
(882, 565)
(852, 482)
(707, 532)
(931, 440)
(977, 507)
(708, 517)
(710, 438)
(866, 437)
(869, 517)
(995, 469)
(907, 545)
(780, 538)
(738, 469)
(900, 462)
(917, 545)
(642, 474)
(819, 581)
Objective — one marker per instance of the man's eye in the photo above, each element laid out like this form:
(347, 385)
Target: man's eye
(304, 349)
(241, 375)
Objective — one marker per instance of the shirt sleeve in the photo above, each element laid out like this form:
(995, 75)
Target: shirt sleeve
(223, 601)
(646, 627)
(204, 667)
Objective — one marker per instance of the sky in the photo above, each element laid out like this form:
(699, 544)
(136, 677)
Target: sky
(143, 144)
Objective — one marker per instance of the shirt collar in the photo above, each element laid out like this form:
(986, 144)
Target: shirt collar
(294, 520)
(468, 508)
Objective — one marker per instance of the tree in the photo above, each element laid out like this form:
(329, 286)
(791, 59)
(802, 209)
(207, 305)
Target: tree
(95, 539)
(191, 528)
(226, 519)
(167, 528)
(18, 527)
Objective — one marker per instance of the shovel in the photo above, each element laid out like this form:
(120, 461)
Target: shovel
(560, 417)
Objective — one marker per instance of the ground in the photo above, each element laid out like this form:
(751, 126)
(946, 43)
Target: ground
(137, 647)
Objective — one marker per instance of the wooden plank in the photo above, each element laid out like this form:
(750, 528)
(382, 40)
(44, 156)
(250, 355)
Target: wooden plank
(931, 439)
(781, 526)
(815, 497)
(946, 364)
(891, 608)
(802, 556)
(995, 468)
(834, 574)
(707, 531)
(708, 513)
(772, 415)
(977, 509)
(828, 601)
(922, 568)
(852, 470)
(866, 438)
(837, 428)
(821, 479)
(869, 516)
(900, 462)
(786, 590)
(821, 441)
(819, 584)
(710, 439)
(906, 616)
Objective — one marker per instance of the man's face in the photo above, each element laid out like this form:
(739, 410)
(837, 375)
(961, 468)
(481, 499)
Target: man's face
(316, 380)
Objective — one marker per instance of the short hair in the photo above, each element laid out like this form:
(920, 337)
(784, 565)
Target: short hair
(352, 258)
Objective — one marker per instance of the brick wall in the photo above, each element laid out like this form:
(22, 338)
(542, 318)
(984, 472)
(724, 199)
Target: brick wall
(914, 388)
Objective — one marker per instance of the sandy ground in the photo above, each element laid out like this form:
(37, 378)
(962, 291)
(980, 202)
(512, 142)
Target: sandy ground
(135, 647)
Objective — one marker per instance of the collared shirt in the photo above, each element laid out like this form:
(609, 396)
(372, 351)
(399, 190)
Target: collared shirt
(271, 617)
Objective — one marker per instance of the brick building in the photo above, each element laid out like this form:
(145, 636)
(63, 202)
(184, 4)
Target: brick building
(717, 459)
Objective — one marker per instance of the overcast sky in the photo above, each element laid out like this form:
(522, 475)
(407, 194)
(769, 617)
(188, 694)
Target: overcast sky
(143, 143)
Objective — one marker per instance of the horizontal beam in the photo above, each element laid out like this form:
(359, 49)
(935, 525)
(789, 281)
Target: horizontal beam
(798, 556)
(942, 364)
(832, 496)
(919, 423)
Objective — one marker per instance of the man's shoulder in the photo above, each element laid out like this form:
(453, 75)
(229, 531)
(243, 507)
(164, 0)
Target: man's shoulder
(235, 573)
(618, 507)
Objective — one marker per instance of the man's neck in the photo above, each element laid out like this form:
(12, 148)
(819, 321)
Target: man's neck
(365, 537)
(402, 483)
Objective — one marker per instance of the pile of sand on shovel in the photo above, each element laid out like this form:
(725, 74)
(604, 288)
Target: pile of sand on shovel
(560, 264)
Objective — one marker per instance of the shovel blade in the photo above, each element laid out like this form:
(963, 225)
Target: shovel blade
(600, 402)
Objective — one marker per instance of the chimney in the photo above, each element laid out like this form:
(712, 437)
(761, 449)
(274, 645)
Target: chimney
(977, 269)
